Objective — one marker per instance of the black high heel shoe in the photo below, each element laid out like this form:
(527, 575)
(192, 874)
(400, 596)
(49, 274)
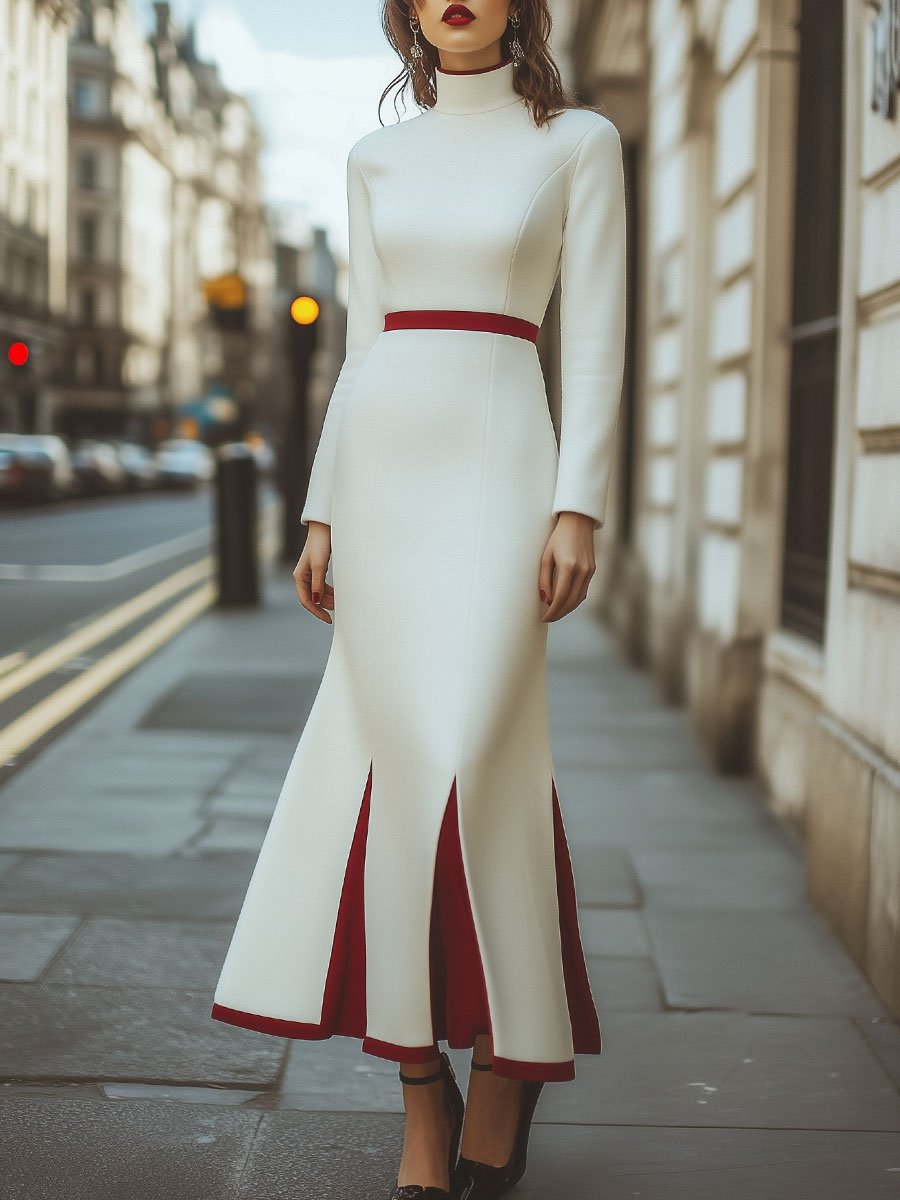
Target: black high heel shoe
(473, 1180)
(456, 1107)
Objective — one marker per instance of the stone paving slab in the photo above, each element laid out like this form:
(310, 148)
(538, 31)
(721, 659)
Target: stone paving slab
(334, 1075)
(55, 1149)
(28, 941)
(324, 1156)
(246, 805)
(232, 834)
(605, 877)
(671, 812)
(114, 952)
(768, 877)
(156, 1035)
(122, 885)
(626, 745)
(7, 862)
(627, 984)
(96, 822)
(782, 962)
(614, 932)
(654, 1163)
(242, 702)
(883, 1036)
(715, 1068)
(82, 1150)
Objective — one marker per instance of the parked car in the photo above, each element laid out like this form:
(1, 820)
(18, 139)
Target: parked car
(14, 473)
(139, 464)
(183, 462)
(97, 467)
(35, 467)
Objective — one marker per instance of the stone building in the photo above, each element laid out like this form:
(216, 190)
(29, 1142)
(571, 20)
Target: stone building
(164, 195)
(220, 228)
(752, 552)
(33, 38)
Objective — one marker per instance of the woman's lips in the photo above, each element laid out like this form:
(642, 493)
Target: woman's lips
(458, 14)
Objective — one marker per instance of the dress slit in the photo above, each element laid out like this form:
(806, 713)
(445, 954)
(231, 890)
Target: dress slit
(459, 1002)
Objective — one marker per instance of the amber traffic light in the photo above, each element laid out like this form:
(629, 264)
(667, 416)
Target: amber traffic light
(305, 310)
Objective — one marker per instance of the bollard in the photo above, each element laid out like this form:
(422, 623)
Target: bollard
(236, 525)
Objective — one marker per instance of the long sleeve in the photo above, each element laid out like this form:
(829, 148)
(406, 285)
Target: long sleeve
(365, 320)
(592, 323)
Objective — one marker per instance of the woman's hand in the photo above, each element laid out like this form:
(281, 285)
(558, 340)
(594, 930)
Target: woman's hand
(567, 564)
(309, 574)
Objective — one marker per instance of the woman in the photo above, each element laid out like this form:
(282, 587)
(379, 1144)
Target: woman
(415, 883)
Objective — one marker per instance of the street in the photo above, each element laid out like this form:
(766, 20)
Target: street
(744, 1058)
(80, 582)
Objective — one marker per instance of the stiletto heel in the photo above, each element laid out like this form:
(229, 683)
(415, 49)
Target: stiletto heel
(456, 1107)
(473, 1180)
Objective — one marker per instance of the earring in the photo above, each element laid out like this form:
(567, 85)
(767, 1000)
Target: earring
(517, 52)
(415, 50)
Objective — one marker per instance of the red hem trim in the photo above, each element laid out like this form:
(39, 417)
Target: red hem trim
(459, 1003)
(510, 1068)
(461, 318)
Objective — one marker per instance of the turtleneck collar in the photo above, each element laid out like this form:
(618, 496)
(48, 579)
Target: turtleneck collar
(475, 91)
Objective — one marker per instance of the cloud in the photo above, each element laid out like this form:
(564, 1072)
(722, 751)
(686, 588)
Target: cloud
(311, 111)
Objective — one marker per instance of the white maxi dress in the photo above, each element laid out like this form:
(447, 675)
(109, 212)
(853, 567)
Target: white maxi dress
(414, 883)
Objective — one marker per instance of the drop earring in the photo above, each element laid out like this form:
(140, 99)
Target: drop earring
(517, 52)
(415, 50)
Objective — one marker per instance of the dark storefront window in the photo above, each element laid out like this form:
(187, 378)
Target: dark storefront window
(814, 332)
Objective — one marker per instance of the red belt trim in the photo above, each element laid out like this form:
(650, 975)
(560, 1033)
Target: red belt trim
(461, 318)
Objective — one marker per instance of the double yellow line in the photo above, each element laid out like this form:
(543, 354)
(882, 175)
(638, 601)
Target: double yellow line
(25, 730)
(32, 725)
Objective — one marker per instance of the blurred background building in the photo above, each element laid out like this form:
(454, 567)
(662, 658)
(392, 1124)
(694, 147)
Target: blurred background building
(753, 547)
(33, 41)
(170, 271)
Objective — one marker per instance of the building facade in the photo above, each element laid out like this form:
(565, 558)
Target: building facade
(164, 196)
(752, 554)
(33, 39)
(220, 229)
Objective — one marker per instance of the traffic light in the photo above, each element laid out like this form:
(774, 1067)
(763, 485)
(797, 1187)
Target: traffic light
(18, 354)
(301, 337)
(226, 296)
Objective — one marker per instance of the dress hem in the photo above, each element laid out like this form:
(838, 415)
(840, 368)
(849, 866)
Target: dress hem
(460, 1010)
(510, 1068)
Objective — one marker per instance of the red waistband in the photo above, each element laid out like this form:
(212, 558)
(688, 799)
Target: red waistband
(461, 318)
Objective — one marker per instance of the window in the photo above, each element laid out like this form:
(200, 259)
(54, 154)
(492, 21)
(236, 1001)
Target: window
(86, 170)
(90, 97)
(87, 306)
(87, 236)
(814, 321)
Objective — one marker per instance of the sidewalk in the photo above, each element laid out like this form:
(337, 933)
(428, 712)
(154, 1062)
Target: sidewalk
(745, 1057)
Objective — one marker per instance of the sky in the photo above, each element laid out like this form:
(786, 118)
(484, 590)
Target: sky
(313, 73)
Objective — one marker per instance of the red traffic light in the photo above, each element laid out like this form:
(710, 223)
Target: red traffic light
(18, 354)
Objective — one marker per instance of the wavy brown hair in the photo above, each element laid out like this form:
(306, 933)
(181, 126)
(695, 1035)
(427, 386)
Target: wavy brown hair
(537, 77)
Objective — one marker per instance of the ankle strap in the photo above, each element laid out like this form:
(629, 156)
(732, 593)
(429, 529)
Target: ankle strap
(477, 1066)
(422, 1078)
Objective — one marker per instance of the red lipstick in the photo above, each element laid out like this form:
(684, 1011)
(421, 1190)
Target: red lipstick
(457, 14)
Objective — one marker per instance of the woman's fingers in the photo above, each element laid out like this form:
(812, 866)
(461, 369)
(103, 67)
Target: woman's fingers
(571, 582)
(545, 577)
(314, 593)
(565, 582)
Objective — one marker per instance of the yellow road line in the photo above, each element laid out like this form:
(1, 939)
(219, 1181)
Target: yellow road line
(26, 729)
(101, 628)
(66, 700)
(12, 660)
